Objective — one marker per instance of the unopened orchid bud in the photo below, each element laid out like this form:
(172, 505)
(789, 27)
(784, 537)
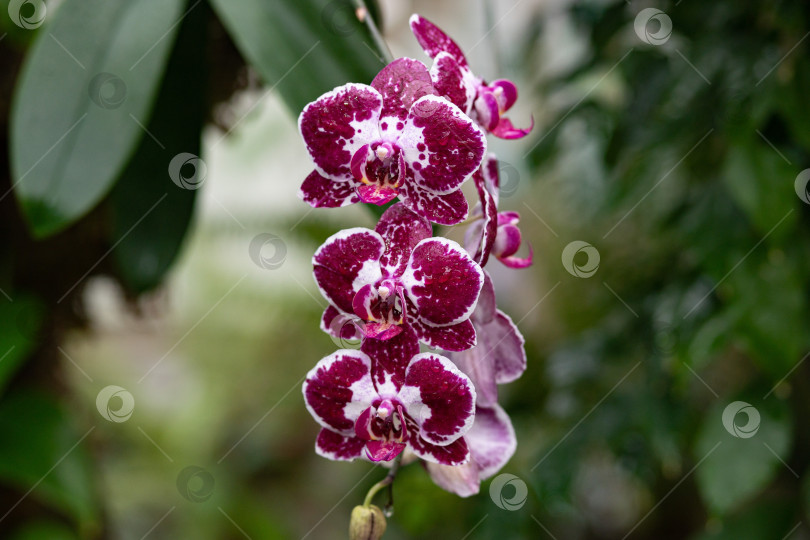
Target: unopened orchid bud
(367, 523)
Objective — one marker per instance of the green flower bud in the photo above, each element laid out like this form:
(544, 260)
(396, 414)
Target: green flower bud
(367, 523)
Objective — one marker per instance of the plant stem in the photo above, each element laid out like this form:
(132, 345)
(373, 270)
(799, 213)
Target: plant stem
(362, 13)
(387, 481)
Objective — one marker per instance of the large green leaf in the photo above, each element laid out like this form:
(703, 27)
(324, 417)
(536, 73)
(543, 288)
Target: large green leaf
(88, 82)
(151, 214)
(734, 468)
(303, 48)
(47, 452)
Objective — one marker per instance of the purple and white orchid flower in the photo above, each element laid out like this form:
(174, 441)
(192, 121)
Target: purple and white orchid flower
(492, 443)
(395, 138)
(386, 397)
(484, 102)
(492, 232)
(397, 276)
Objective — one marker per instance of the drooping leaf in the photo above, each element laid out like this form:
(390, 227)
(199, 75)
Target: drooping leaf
(153, 201)
(304, 48)
(47, 451)
(85, 93)
(739, 460)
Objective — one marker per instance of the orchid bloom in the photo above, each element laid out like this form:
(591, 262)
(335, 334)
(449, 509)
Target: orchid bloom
(397, 276)
(491, 441)
(395, 138)
(499, 356)
(377, 401)
(492, 232)
(485, 102)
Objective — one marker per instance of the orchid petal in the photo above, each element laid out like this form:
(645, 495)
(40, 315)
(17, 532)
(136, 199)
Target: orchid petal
(338, 447)
(321, 192)
(448, 209)
(442, 281)
(505, 129)
(441, 145)
(390, 359)
(401, 229)
(491, 440)
(401, 83)
(344, 263)
(439, 398)
(337, 124)
(453, 81)
(433, 40)
(338, 389)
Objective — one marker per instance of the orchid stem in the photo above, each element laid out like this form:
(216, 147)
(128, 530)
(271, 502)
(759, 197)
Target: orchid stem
(387, 481)
(365, 17)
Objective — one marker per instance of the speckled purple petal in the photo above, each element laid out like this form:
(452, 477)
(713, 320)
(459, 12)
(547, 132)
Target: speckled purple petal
(321, 192)
(456, 337)
(442, 281)
(433, 40)
(491, 440)
(448, 209)
(341, 325)
(453, 81)
(337, 447)
(505, 129)
(441, 144)
(439, 398)
(338, 389)
(337, 124)
(390, 359)
(518, 262)
(455, 453)
(401, 229)
(401, 83)
(498, 358)
(345, 262)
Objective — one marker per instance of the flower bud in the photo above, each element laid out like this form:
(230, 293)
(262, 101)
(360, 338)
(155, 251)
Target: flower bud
(367, 523)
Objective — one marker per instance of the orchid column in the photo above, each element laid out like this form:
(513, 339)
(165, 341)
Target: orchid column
(415, 135)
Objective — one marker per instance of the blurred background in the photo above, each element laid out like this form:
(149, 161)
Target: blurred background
(157, 326)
